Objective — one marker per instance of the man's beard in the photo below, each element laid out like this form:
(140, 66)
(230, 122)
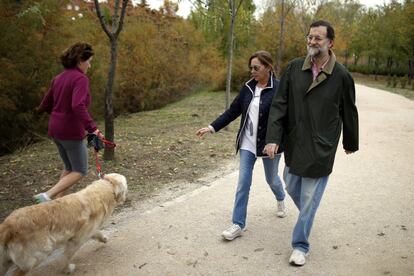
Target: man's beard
(316, 51)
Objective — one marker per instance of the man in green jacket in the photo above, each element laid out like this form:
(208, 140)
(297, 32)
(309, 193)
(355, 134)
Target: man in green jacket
(316, 99)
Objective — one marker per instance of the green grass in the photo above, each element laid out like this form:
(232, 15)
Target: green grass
(155, 149)
(381, 83)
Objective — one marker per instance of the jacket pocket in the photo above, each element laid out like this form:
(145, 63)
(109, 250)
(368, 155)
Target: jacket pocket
(324, 148)
(323, 141)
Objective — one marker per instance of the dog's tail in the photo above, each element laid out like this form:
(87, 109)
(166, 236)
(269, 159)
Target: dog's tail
(5, 236)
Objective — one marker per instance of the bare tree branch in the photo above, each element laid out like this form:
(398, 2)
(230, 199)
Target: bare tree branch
(238, 7)
(101, 19)
(115, 21)
(319, 8)
(121, 21)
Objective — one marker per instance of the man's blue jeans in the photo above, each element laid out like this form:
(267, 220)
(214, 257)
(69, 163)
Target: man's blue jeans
(306, 194)
(247, 161)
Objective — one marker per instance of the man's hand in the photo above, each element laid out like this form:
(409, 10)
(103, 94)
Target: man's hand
(271, 150)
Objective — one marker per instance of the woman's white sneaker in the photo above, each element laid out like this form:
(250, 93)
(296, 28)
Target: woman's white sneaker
(40, 198)
(298, 257)
(281, 209)
(232, 232)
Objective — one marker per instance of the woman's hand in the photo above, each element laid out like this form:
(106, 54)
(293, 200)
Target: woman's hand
(98, 133)
(200, 133)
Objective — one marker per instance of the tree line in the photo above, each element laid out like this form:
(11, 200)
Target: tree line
(162, 57)
(377, 40)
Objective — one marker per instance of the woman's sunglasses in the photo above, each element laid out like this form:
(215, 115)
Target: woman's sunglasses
(255, 67)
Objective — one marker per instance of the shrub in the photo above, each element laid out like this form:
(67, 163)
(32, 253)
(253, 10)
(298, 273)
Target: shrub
(389, 80)
(394, 81)
(403, 81)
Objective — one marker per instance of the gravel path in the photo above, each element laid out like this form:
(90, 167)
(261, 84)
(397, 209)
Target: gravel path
(364, 225)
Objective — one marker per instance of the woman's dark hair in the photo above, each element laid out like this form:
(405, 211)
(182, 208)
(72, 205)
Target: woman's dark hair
(265, 58)
(330, 33)
(76, 53)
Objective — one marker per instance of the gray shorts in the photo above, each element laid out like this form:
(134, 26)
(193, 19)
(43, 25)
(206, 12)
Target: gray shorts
(74, 155)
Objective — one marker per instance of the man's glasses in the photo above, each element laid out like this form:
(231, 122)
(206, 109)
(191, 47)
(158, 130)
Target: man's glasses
(317, 38)
(255, 68)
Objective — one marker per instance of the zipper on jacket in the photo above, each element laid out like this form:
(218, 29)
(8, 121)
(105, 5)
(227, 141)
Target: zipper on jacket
(247, 113)
(244, 122)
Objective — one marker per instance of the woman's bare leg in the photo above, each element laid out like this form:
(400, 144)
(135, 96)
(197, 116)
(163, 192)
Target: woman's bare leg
(67, 180)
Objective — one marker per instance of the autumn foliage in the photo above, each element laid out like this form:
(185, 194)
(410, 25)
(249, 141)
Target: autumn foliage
(163, 57)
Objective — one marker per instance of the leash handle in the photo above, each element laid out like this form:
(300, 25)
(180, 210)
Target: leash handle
(108, 143)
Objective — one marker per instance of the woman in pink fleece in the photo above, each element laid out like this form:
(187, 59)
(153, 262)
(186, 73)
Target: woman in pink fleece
(67, 102)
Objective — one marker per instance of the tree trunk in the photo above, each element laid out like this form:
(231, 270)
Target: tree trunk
(109, 152)
(389, 65)
(281, 39)
(117, 24)
(410, 71)
(230, 59)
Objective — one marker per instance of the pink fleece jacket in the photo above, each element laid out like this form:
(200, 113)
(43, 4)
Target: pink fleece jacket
(67, 102)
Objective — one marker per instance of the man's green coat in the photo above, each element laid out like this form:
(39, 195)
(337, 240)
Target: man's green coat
(307, 116)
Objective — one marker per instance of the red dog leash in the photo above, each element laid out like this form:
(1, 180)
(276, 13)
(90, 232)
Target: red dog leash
(98, 144)
(107, 144)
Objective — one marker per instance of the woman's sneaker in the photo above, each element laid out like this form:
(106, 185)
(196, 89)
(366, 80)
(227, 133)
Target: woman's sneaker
(232, 232)
(281, 209)
(298, 257)
(42, 197)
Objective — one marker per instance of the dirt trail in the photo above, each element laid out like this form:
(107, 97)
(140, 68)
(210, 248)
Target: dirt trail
(364, 226)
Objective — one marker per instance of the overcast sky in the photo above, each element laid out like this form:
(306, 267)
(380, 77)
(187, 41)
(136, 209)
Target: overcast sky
(185, 6)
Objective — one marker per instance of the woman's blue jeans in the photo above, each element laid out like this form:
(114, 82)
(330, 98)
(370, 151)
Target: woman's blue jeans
(306, 194)
(247, 161)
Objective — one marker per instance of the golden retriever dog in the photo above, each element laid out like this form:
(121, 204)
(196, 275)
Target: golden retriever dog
(32, 235)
